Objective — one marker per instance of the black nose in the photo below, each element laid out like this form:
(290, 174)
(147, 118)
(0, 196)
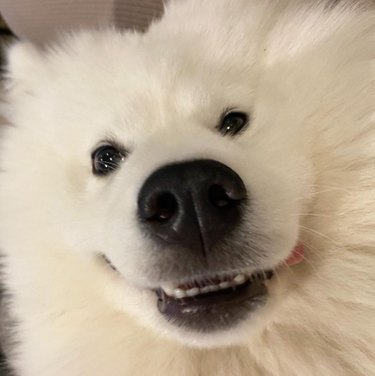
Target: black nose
(192, 204)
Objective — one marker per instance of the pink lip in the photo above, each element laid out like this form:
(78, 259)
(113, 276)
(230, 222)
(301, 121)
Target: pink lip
(296, 256)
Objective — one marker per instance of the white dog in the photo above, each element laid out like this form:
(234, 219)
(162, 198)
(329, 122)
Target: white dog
(197, 200)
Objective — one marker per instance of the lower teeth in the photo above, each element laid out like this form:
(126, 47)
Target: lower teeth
(240, 279)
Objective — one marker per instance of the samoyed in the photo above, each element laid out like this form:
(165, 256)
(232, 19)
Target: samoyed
(196, 200)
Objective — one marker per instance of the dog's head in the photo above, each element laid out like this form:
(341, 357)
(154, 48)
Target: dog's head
(181, 161)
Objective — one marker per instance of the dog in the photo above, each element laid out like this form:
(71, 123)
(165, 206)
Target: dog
(195, 200)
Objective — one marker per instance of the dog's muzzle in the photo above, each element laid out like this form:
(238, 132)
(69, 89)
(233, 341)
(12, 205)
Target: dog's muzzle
(192, 207)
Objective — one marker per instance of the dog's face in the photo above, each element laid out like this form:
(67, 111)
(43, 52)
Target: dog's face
(183, 173)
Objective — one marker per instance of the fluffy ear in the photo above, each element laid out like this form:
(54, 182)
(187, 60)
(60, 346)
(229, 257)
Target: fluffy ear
(25, 64)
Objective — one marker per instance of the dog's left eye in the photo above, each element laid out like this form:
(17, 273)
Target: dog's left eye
(233, 123)
(106, 159)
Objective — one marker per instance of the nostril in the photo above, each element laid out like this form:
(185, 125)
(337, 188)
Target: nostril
(192, 204)
(220, 198)
(162, 207)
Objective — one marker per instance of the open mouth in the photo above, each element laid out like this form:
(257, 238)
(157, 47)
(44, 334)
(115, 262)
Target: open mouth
(218, 302)
(198, 289)
(212, 303)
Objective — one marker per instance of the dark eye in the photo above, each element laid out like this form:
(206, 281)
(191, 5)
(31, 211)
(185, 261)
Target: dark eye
(233, 122)
(106, 159)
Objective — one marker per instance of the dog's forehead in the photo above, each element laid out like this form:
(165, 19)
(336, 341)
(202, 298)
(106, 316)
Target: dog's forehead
(139, 85)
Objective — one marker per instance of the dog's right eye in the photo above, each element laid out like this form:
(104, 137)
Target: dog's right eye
(106, 159)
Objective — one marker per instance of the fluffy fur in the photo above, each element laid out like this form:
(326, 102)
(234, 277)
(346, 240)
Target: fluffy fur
(305, 72)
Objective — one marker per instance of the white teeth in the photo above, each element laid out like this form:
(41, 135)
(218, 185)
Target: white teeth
(207, 289)
(171, 289)
(168, 291)
(224, 285)
(193, 292)
(179, 293)
(239, 279)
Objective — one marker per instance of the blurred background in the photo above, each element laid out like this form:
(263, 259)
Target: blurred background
(6, 37)
(41, 21)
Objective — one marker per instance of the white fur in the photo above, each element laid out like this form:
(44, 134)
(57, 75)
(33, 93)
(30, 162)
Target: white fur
(305, 71)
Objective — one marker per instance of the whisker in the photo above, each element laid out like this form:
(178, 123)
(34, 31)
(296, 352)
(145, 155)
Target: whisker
(277, 275)
(312, 231)
(290, 270)
(308, 261)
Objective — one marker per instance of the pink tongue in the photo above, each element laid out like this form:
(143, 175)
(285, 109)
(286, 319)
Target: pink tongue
(296, 256)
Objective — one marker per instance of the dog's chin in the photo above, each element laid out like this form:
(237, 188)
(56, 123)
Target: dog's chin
(235, 334)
